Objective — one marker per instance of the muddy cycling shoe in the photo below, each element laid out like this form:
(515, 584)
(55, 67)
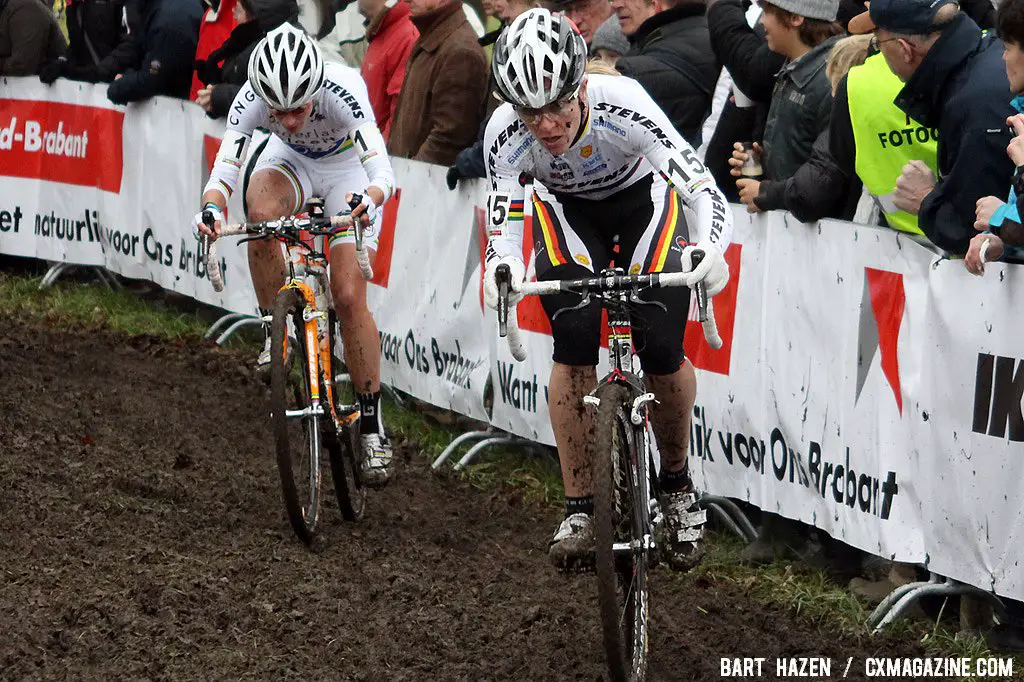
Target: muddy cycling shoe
(572, 547)
(682, 531)
(263, 360)
(375, 465)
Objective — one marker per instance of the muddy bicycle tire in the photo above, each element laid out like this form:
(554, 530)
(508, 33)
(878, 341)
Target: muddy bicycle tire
(297, 440)
(621, 580)
(344, 446)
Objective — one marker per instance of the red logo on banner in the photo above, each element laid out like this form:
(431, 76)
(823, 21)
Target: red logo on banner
(881, 316)
(697, 349)
(386, 241)
(211, 145)
(68, 143)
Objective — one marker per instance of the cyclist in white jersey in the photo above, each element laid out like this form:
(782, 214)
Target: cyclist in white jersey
(611, 178)
(324, 142)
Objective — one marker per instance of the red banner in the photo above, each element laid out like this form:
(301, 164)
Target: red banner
(66, 143)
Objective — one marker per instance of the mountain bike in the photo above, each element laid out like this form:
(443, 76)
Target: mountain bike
(627, 514)
(312, 409)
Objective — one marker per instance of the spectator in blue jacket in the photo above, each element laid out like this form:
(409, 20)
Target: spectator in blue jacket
(165, 48)
(954, 81)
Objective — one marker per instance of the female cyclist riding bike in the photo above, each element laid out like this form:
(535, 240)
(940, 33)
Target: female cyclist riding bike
(611, 176)
(324, 142)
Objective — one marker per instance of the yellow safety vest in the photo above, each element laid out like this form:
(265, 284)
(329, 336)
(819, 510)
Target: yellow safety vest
(885, 137)
(60, 11)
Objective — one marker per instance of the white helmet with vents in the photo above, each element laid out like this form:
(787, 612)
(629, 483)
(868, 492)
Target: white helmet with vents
(286, 68)
(539, 59)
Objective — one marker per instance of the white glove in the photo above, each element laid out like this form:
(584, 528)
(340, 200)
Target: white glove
(199, 228)
(369, 209)
(713, 270)
(518, 269)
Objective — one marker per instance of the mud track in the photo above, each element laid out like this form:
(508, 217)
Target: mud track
(143, 538)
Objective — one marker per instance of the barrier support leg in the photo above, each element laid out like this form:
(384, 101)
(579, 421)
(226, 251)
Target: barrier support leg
(724, 517)
(223, 320)
(486, 443)
(896, 603)
(55, 271)
(468, 436)
(247, 321)
(737, 520)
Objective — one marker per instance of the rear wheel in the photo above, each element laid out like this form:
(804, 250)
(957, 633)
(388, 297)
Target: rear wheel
(621, 575)
(295, 421)
(344, 449)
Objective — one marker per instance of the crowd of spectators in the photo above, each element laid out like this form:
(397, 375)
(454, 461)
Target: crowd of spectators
(907, 113)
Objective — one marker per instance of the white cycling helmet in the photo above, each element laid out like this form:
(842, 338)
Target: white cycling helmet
(286, 68)
(539, 59)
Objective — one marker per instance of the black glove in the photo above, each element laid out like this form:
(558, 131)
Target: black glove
(453, 177)
(52, 70)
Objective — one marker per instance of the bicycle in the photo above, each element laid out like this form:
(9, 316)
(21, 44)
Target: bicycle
(627, 514)
(311, 408)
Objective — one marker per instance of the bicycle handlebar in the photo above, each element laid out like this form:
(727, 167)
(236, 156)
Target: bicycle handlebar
(282, 228)
(508, 323)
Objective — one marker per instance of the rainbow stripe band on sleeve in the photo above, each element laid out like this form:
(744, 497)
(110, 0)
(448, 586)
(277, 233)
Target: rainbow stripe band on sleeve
(515, 210)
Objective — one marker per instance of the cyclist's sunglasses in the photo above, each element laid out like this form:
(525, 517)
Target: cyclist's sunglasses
(556, 109)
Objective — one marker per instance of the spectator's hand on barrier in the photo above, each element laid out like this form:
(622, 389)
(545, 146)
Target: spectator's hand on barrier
(53, 70)
(1015, 150)
(749, 189)
(916, 181)
(453, 177)
(984, 210)
(739, 157)
(204, 98)
(712, 270)
(518, 270)
(973, 261)
(200, 229)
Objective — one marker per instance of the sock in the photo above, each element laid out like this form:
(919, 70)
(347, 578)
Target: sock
(675, 481)
(265, 313)
(369, 417)
(579, 505)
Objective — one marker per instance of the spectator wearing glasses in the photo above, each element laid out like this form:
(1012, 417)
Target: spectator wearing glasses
(587, 15)
(955, 81)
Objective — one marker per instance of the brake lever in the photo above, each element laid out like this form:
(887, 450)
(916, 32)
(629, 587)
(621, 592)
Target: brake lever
(635, 300)
(503, 277)
(584, 302)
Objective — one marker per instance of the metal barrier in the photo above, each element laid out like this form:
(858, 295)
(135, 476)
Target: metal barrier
(234, 321)
(902, 597)
(58, 269)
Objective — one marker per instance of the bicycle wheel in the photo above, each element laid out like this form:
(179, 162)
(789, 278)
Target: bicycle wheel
(343, 449)
(622, 586)
(296, 427)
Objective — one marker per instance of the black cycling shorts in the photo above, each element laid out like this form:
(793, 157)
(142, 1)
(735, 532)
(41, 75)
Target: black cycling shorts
(575, 238)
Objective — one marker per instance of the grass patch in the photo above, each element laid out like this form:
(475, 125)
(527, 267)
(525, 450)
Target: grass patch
(91, 305)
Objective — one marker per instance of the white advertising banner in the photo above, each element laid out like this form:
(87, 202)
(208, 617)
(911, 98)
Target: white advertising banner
(865, 386)
(426, 293)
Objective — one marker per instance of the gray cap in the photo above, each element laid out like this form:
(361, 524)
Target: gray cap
(823, 10)
(609, 36)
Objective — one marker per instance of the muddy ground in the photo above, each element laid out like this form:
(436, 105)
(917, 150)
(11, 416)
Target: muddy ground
(142, 537)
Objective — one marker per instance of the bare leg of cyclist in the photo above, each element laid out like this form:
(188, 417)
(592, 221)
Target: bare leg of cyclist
(670, 418)
(571, 422)
(362, 357)
(270, 196)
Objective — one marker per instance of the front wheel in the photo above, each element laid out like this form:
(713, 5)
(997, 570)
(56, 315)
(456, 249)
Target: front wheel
(621, 572)
(296, 421)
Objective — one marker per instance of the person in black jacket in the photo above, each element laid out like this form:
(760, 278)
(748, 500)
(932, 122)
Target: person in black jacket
(100, 42)
(956, 82)
(226, 70)
(166, 49)
(670, 55)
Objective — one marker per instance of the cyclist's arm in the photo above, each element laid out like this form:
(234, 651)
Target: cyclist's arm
(373, 154)
(245, 114)
(652, 136)
(505, 199)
